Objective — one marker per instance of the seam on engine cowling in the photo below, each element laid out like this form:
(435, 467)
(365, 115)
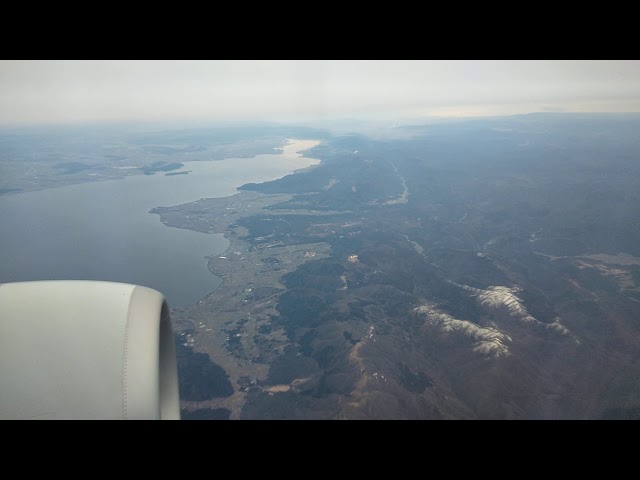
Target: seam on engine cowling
(125, 356)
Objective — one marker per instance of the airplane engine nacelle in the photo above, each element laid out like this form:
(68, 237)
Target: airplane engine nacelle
(86, 350)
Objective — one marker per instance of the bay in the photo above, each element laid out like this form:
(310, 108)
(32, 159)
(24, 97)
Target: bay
(104, 231)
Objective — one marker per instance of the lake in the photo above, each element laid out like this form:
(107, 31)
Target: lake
(104, 231)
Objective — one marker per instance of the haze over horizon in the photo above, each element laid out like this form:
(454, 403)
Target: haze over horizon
(54, 92)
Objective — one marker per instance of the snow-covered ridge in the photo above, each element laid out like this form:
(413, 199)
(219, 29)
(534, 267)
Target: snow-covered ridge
(488, 340)
(504, 297)
(499, 297)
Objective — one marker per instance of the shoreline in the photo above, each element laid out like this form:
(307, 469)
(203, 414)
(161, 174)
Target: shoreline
(134, 171)
(244, 197)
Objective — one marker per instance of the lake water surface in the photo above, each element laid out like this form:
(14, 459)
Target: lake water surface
(104, 231)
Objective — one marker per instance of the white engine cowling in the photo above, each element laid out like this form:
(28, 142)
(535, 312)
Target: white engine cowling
(86, 350)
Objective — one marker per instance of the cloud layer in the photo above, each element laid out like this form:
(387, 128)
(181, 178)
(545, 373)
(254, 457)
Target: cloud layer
(62, 91)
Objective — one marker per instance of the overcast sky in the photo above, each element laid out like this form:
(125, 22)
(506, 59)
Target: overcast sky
(70, 91)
